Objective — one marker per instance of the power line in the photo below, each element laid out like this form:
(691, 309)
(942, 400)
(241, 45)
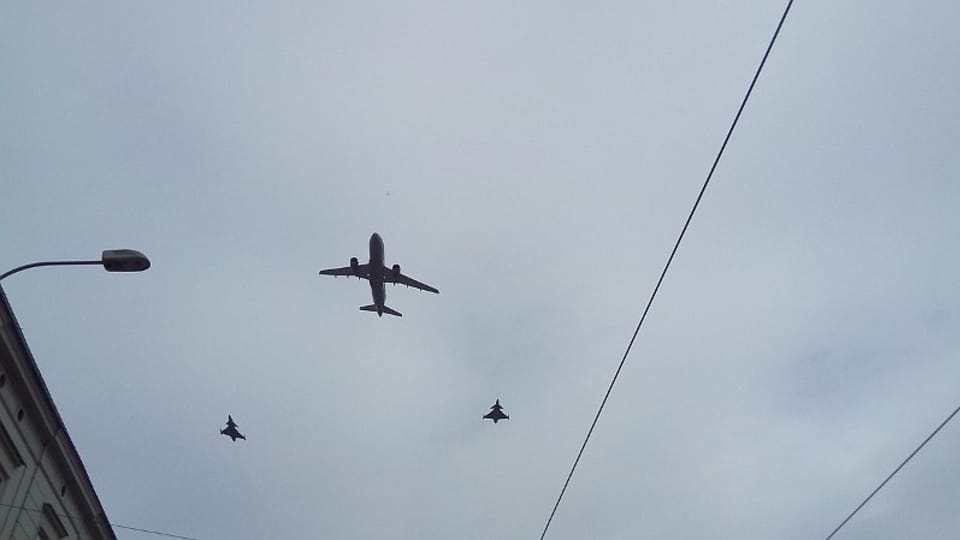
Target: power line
(895, 471)
(115, 525)
(667, 265)
(148, 531)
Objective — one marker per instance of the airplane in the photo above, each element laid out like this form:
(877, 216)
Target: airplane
(496, 414)
(231, 430)
(378, 274)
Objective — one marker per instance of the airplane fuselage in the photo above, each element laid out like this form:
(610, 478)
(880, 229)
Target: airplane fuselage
(375, 272)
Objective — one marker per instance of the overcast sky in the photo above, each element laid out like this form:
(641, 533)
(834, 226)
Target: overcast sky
(534, 161)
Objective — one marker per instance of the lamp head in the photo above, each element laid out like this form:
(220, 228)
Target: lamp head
(124, 260)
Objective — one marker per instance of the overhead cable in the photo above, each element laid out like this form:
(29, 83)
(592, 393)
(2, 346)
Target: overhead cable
(891, 475)
(115, 525)
(666, 267)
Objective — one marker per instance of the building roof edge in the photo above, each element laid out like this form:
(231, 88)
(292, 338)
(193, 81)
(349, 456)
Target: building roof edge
(60, 438)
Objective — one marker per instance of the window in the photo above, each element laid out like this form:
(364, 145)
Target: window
(4, 476)
(9, 449)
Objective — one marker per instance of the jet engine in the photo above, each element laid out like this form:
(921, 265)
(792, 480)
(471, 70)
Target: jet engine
(396, 271)
(355, 266)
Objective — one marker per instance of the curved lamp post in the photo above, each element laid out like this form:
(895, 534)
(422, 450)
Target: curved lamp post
(113, 260)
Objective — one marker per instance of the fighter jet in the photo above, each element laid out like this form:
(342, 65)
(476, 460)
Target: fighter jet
(496, 414)
(378, 274)
(231, 430)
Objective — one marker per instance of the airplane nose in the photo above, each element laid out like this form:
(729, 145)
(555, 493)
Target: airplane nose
(376, 242)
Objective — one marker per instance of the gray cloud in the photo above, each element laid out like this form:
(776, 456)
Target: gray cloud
(539, 160)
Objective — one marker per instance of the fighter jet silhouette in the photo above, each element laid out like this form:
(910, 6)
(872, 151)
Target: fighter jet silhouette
(231, 430)
(496, 414)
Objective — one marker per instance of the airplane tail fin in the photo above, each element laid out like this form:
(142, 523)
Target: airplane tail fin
(388, 311)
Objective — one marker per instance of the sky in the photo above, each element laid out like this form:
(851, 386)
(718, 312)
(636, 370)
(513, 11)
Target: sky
(535, 162)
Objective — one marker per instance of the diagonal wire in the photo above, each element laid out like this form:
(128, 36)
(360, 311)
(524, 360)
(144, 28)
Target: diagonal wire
(115, 525)
(667, 266)
(148, 531)
(895, 471)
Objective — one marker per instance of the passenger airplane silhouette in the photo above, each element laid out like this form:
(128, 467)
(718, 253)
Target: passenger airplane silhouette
(378, 274)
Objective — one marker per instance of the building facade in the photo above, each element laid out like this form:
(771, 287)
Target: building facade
(45, 492)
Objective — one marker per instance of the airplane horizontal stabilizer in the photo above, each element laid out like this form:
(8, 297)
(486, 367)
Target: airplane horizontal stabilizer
(388, 311)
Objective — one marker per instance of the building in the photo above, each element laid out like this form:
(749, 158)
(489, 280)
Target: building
(45, 492)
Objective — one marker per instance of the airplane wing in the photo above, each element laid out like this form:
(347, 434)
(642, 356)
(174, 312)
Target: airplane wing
(400, 279)
(363, 270)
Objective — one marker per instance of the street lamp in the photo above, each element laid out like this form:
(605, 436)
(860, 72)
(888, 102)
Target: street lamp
(113, 260)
